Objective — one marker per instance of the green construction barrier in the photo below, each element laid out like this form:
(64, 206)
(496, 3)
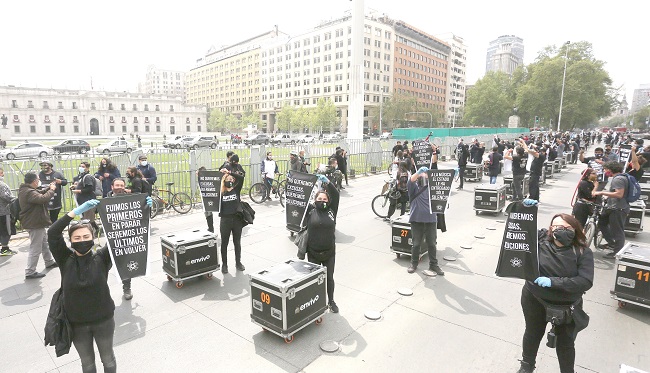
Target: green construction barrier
(420, 133)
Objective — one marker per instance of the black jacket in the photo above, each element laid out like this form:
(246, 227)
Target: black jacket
(321, 226)
(58, 331)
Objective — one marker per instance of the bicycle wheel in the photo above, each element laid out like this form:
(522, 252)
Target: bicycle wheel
(257, 193)
(154, 208)
(182, 203)
(282, 186)
(380, 205)
(590, 231)
(282, 196)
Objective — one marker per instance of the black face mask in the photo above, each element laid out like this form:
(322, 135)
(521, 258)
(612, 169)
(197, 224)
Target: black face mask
(82, 247)
(598, 156)
(228, 184)
(128, 176)
(564, 236)
(321, 205)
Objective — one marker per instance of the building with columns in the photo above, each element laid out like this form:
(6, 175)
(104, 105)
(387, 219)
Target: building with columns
(63, 112)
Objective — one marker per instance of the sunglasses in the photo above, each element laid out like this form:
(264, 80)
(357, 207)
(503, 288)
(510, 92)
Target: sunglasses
(79, 222)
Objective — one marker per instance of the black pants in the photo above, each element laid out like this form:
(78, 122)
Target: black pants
(404, 197)
(231, 224)
(54, 215)
(461, 171)
(329, 263)
(533, 187)
(427, 232)
(517, 186)
(582, 211)
(345, 174)
(102, 333)
(209, 218)
(535, 316)
(612, 225)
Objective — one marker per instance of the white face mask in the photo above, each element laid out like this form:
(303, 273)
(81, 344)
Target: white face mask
(143, 163)
(82, 170)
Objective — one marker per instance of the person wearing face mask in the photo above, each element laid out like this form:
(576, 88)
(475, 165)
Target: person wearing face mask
(35, 219)
(609, 155)
(231, 222)
(106, 173)
(538, 153)
(269, 170)
(462, 154)
(320, 221)
(46, 176)
(588, 183)
(118, 189)
(612, 220)
(135, 178)
(519, 161)
(7, 226)
(83, 187)
(566, 272)
(147, 170)
(596, 163)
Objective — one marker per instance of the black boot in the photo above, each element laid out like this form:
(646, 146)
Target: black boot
(526, 368)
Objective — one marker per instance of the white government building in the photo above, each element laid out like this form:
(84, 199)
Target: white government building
(61, 112)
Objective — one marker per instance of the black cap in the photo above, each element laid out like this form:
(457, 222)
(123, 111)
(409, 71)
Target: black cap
(234, 158)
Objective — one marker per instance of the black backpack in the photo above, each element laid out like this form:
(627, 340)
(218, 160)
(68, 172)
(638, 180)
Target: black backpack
(14, 209)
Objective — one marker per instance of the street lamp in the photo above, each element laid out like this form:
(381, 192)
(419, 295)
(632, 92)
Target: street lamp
(566, 57)
(381, 107)
(421, 112)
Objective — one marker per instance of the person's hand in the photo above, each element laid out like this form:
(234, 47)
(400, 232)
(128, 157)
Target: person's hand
(422, 170)
(149, 201)
(88, 205)
(530, 202)
(101, 178)
(544, 282)
(53, 185)
(106, 174)
(323, 179)
(58, 181)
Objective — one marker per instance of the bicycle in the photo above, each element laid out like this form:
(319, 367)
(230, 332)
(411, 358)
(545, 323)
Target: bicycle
(259, 192)
(181, 202)
(381, 203)
(591, 226)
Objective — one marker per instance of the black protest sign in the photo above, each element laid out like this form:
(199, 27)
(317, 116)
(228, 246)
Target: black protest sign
(624, 152)
(300, 187)
(518, 256)
(125, 220)
(210, 186)
(422, 153)
(439, 189)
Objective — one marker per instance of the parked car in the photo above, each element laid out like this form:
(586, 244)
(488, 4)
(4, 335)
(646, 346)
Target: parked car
(178, 142)
(283, 139)
(26, 150)
(116, 146)
(332, 138)
(305, 138)
(71, 146)
(386, 136)
(260, 138)
(200, 142)
(366, 136)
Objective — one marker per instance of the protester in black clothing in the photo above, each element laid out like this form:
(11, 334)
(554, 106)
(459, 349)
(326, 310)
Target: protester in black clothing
(229, 154)
(48, 175)
(405, 146)
(106, 173)
(635, 166)
(321, 223)
(294, 161)
(462, 154)
(537, 167)
(135, 178)
(519, 161)
(148, 171)
(566, 270)
(84, 187)
(342, 163)
(234, 166)
(397, 148)
(401, 177)
(434, 158)
(87, 298)
(231, 220)
(552, 154)
(494, 164)
(612, 220)
(304, 162)
(588, 183)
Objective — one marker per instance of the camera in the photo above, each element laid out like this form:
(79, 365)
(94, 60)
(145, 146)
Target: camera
(551, 338)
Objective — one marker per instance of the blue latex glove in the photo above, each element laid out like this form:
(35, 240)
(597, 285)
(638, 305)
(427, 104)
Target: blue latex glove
(323, 179)
(149, 201)
(544, 282)
(422, 170)
(88, 205)
(530, 202)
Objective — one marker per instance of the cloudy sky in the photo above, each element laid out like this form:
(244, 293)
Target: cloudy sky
(64, 43)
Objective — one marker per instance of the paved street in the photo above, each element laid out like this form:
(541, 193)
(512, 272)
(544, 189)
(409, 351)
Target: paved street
(467, 321)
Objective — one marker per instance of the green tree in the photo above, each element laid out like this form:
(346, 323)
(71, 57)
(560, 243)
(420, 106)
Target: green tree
(324, 115)
(302, 120)
(232, 122)
(251, 117)
(395, 109)
(284, 118)
(490, 101)
(216, 122)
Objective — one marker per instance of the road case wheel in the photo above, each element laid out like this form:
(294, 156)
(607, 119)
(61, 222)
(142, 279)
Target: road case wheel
(288, 339)
(319, 320)
(169, 278)
(476, 211)
(621, 304)
(179, 284)
(292, 234)
(398, 255)
(208, 275)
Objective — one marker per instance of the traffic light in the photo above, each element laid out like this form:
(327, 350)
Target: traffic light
(536, 119)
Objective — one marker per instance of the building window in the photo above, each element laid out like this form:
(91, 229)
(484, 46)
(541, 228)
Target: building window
(111, 129)
(123, 119)
(74, 119)
(135, 128)
(122, 107)
(14, 104)
(75, 129)
(187, 120)
(62, 129)
(157, 108)
(47, 119)
(123, 129)
(198, 128)
(45, 105)
(171, 107)
(187, 128)
(92, 106)
(146, 107)
(31, 119)
(30, 104)
(16, 120)
(74, 105)
(32, 129)
(157, 119)
(171, 120)
(146, 119)
(157, 128)
(110, 106)
(111, 120)
(198, 120)
(146, 128)
(59, 105)
(48, 129)
(135, 107)
(17, 129)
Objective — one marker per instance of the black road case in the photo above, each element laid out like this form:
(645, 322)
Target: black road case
(473, 172)
(189, 254)
(550, 168)
(289, 296)
(645, 179)
(563, 162)
(507, 181)
(634, 220)
(632, 282)
(489, 198)
(645, 195)
(558, 165)
(401, 238)
(569, 156)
